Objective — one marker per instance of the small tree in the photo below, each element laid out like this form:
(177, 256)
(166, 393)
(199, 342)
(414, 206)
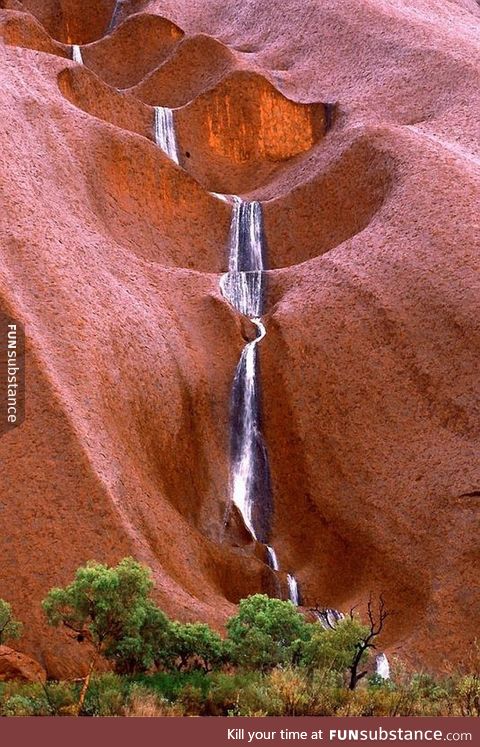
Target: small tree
(346, 645)
(376, 622)
(265, 632)
(9, 628)
(195, 645)
(109, 609)
(139, 651)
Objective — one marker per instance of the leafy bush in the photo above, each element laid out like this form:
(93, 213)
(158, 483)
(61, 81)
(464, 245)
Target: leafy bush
(9, 627)
(466, 695)
(168, 685)
(150, 642)
(62, 697)
(265, 632)
(334, 649)
(226, 691)
(106, 696)
(194, 646)
(110, 609)
(19, 705)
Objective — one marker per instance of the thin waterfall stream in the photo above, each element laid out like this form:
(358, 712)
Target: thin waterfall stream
(164, 130)
(77, 54)
(243, 286)
(113, 21)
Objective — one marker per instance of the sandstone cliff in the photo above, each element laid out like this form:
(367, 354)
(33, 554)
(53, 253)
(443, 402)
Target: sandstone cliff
(356, 122)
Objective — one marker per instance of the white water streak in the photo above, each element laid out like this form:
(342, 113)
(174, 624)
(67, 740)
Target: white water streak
(293, 592)
(113, 21)
(165, 136)
(272, 559)
(243, 290)
(328, 618)
(382, 667)
(242, 285)
(243, 476)
(77, 54)
(246, 241)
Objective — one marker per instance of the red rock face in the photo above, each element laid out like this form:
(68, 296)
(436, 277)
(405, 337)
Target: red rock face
(111, 256)
(17, 666)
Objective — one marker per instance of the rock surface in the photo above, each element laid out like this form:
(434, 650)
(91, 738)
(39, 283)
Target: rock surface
(17, 666)
(111, 257)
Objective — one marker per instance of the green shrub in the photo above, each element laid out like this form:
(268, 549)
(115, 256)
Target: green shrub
(334, 649)
(62, 697)
(9, 627)
(24, 699)
(194, 646)
(110, 609)
(466, 695)
(106, 696)
(19, 705)
(265, 632)
(168, 685)
(225, 692)
(191, 700)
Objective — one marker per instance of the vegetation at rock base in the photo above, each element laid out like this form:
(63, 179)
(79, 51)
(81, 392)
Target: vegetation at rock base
(289, 691)
(10, 628)
(266, 633)
(272, 662)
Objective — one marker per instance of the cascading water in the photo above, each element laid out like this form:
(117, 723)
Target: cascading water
(382, 667)
(328, 618)
(242, 286)
(293, 591)
(272, 559)
(165, 136)
(115, 14)
(77, 54)
(250, 471)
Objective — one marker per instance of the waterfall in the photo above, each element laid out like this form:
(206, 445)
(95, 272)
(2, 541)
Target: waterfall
(250, 474)
(223, 198)
(382, 667)
(244, 290)
(113, 20)
(328, 618)
(272, 558)
(242, 287)
(165, 136)
(246, 237)
(77, 54)
(293, 592)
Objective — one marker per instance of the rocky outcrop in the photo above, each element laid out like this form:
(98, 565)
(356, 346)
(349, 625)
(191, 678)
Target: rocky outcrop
(17, 666)
(111, 256)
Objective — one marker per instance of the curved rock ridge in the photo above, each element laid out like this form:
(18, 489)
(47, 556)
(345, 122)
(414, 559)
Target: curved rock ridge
(20, 29)
(350, 180)
(235, 135)
(197, 64)
(69, 21)
(132, 50)
(88, 92)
